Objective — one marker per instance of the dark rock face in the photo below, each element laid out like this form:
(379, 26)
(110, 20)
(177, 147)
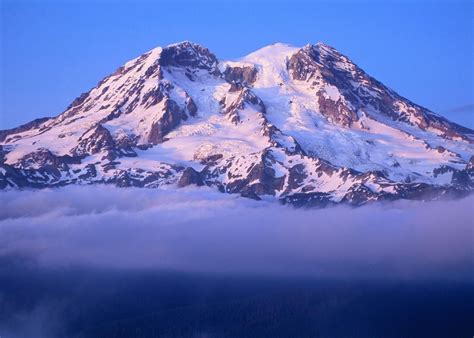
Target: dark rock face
(359, 194)
(260, 179)
(470, 164)
(93, 141)
(442, 170)
(187, 54)
(3, 152)
(125, 145)
(246, 97)
(156, 95)
(89, 172)
(320, 64)
(172, 116)
(113, 115)
(43, 158)
(464, 179)
(308, 200)
(426, 192)
(306, 65)
(140, 178)
(266, 184)
(190, 176)
(24, 127)
(336, 111)
(78, 101)
(191, 106)
(154, 71)
(211, 159)
(240, 77)
(46, 176)
(11, 177)
(296, 177)
(38, 169)
(99, 140)
(301, 65)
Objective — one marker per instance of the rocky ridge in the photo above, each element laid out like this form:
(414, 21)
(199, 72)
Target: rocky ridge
(304, 126)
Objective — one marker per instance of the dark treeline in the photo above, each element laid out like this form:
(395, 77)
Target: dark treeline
(78, 302)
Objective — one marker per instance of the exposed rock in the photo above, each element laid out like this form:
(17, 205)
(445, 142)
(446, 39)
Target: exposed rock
(78, 101)
(171, 118)
(464, 179)
(211, 159)
(359, 194)
(260, 179)
(336, 111)
(426, 192)
(308, 200)
(187, 54)
(190, 176)
(89, 172)
(141, 178)
(301, 65)
(156, 95)
(321, 65)
(470, 164)
(11, 177)
(246, 97)
(240, 77)
(281, 147)
(154, 71)
(95, 140)
(191, 106)
(443, 170)
(43, 158)
(296, 177)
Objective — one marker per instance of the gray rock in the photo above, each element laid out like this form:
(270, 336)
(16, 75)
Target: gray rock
(190, 176)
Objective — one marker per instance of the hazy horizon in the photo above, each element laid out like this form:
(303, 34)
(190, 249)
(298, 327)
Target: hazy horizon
(202, 230)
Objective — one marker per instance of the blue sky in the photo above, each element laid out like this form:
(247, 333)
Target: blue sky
(51, 51)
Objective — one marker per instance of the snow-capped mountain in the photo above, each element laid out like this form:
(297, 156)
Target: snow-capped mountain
(303, 125)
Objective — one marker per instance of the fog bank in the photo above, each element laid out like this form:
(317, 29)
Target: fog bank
(199, 230)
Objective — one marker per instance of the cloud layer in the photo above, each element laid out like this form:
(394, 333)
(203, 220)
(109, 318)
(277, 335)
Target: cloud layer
(200, 230)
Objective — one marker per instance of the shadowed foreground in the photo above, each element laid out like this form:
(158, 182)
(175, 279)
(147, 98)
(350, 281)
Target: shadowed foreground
(77, 302)
(89, 262)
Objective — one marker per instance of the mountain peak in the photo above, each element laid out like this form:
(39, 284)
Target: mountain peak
(185, 44)
(304, 125)
(181, 43)
(188, 54)
(323, 46)
(322, 51)
(272, 51)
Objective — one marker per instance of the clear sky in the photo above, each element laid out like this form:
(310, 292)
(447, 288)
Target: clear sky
(51, 51)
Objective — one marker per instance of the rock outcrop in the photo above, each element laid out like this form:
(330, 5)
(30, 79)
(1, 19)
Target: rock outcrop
(304, 126)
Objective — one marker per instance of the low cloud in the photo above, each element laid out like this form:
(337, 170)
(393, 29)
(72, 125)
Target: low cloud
(468, 108)
(199, 230)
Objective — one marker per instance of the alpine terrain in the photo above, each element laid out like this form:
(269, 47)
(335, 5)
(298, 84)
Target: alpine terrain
(304, 126)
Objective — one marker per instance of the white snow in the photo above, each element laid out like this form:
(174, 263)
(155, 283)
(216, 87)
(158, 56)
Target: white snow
(332, 92)
(398, 149)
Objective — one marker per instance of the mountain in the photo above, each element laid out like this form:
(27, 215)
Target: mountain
(305, 126)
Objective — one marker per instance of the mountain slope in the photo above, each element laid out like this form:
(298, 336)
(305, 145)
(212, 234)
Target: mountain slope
(303, 125)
